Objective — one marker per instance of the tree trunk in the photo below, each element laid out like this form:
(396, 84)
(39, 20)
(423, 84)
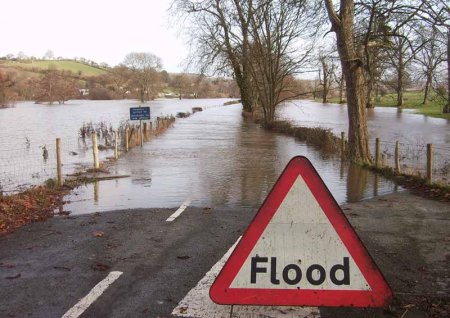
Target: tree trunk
(370, 80)
(370, 93)
(427, 89)
(400, 76)
(325, 80)
(358, 144)
(446, 109)
(352, 66)
(142, 95)
(246, 93)
(341, 89)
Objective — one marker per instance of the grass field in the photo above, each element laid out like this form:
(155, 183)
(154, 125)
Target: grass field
(412, 100)
(67, 65)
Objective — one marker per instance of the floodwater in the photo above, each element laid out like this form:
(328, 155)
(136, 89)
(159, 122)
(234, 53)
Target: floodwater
(28, 127)
(213, 158)
(216, 159)
(386, 123)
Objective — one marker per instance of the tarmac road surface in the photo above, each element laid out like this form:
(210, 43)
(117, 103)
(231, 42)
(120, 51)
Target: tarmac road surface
(134, 263)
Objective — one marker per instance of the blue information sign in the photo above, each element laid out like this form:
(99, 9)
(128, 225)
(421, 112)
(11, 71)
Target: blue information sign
(139, 113)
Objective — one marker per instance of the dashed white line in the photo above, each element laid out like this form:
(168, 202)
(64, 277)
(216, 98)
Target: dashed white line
(95, 292)
(179, 211)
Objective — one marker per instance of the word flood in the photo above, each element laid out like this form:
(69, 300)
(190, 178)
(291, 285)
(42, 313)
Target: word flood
(292, 273)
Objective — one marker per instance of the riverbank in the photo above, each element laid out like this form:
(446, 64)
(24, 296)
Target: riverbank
(47, 267)
(33, 205)
(328, 144)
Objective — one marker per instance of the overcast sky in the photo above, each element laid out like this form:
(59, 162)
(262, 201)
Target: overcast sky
(103, 31)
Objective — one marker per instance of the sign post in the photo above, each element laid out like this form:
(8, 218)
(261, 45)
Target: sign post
(140, 113)
(300, 250)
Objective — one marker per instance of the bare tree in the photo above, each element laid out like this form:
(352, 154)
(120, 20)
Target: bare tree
(146, 78)
(400, 57)
(431, 55)
(380, 27)
(340, 82)
(182, 84)
(49, 55)
(276, 29)
(254, 41)
(437, 13)
(373, 33)
(56, 86)
(326, 72)
(362, 29)
(120, 76)
(219, 33)
(6, 84)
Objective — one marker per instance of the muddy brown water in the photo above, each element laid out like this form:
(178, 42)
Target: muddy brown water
(28, 127)
(387, 123)
(213, 158)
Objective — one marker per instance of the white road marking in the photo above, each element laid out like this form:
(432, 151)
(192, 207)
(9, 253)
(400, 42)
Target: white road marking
(179, 211)
(198, 304)
(95, 292)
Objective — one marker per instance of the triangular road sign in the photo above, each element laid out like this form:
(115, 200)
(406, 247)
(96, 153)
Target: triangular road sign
(300, 250)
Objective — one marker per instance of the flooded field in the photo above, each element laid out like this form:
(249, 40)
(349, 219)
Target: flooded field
(213, 158)
(386, 123)
(28, 127)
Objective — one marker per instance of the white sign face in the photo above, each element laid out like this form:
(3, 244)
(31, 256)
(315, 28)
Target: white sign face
(300, 250)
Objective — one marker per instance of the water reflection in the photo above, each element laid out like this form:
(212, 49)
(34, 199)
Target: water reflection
(96, 185)
(357, 180)
(375, 185)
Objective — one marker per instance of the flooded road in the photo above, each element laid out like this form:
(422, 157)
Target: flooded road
(215, 159)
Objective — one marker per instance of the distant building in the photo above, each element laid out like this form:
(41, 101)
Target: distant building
(84, 91)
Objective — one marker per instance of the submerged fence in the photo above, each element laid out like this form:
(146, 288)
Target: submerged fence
(31, 164)
(426, 161)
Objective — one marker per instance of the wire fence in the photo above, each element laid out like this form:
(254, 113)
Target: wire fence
(29, 165)
(414, 159)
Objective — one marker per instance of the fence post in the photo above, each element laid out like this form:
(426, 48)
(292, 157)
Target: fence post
(429, 163)
(342, 143)
(377, 153)
(127, 135)
(58, 162)
(145, 131)
(141, 134)
(116, 142)
(397, 156)
(95, 151)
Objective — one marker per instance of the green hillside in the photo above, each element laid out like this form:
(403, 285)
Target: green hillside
(67, 65)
